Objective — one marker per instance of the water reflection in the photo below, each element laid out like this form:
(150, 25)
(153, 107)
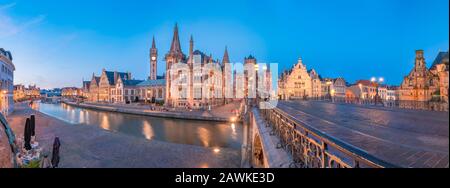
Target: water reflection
(147, 130)
(202, 133)
(105, 123)
(204, 136)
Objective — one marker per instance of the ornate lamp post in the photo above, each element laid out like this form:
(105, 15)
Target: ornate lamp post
(377, 82)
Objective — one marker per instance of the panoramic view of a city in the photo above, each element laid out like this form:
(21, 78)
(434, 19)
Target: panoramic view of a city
(239, 84)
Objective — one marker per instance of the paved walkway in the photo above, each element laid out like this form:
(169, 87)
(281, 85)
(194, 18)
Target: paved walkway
(88, 146)
(409, 138)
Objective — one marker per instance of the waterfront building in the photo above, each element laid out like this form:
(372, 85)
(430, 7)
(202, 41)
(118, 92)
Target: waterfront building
(32, 92)
(19, 92)
(202, 85)
(422, 85)
(55, 92)
(107, 85)
(71, 92)
(126, 91)
(152, 91)
(85, 89)
(190, 81)
(6, 82)
(93, 88)
(295, 83)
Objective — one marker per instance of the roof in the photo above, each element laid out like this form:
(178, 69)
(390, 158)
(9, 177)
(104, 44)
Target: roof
(158, 82)
(226, 57)
(175, 46)
(110, 75)
(6, 54)
(97, 79)
(250, 57)
(366, 83)
(442, 57)
(131, 82)
(203, 57)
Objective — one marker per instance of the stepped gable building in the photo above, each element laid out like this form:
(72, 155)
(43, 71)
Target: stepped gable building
(295, 83)
(93, 88)
(103, 88)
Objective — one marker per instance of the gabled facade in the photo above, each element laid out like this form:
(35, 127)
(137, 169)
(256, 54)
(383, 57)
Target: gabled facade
(295, 83)
(103, 89)
(126, 91)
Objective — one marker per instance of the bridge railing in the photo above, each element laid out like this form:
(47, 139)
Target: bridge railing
(311, 148)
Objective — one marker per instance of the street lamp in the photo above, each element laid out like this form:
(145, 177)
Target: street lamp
(329, 89)
(377, 82)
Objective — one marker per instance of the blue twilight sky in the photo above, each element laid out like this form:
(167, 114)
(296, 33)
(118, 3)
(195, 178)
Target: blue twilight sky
(58, 43)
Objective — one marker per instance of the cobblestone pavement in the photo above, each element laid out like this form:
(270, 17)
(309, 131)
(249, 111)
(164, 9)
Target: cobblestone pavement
(409, 138)
(88, 146)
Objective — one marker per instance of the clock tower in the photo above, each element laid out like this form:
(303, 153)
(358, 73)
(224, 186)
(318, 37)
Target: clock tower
(153, 60)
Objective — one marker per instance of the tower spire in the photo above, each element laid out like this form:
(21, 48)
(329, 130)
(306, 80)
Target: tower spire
(226, 58)
(175, 47)
(191, 46)
(191, 50)
(153, 42)
(153, 60)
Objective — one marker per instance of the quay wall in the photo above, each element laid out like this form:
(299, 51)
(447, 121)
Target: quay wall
(148, 112)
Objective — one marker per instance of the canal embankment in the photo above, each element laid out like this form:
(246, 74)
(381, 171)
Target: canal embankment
(220, 114)
(93, 147)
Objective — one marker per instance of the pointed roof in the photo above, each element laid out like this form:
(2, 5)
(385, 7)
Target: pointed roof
(226, 58)
(175, 47)
(153, 42)
(442, 57)
(110, 76)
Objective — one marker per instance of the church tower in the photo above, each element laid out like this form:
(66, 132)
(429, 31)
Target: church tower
(175, 55)
(227, 81)
(153, 60)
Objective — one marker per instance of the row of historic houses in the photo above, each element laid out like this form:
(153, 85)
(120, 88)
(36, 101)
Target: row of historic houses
(193, 81)
(300, 83)
(422, 88)
(197, 80)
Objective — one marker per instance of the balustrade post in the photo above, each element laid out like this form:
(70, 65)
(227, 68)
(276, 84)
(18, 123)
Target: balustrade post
(323, 157)
(355, 163)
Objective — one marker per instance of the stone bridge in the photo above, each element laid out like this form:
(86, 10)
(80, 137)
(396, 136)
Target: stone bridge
(327, 135)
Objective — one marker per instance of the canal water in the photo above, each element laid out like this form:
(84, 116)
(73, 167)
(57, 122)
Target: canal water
(201, 133)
